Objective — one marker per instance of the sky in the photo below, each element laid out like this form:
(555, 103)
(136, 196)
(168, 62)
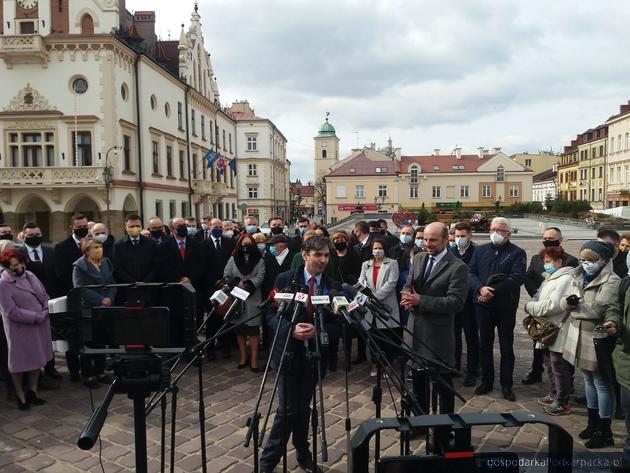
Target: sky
(520, 75)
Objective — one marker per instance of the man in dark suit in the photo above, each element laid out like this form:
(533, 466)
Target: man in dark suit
(533, 281)
(297, 382)
(156, 229)
(435, 290)
(391, 242)
(496, 273)
(204, 232)
(66, 252)
(134, 255)
(180, 257)
(364, 240)
(218, 250)
(5, 232)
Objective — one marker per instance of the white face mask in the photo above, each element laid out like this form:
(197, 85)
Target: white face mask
(462, 242)
(228, 233)
(204, 227)
(378, 253)
(590, 267)
(102, 237)
(419, 242)
(496, 238)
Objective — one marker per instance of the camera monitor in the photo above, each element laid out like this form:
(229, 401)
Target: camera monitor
(478, 463)
(149, 326)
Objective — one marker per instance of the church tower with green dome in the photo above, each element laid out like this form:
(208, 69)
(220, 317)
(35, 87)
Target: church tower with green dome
(326, 150)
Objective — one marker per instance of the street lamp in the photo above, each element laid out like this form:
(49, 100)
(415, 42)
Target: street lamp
(108, 178)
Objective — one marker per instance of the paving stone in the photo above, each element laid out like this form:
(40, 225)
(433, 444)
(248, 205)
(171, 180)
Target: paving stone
(38, 462)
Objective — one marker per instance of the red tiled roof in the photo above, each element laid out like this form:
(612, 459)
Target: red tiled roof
(168, 53)
(623, 109)
(364, 166)
(470, 162)
(307, 190)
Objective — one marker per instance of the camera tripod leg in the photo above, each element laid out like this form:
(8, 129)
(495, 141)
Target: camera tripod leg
(202, 416)
(163, 435)
(174, 392)
(140, 430)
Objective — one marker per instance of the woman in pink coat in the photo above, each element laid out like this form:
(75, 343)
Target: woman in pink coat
(24, 309)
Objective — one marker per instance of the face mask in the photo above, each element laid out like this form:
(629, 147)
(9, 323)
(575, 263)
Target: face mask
(590, 267)
(228, 233)
(217, 232)
(272, 250)
(452, 244)
(204, 226)
(419, 242)
(33, 241)
(80, 232)
(303, 230)
(461, 242)
(550, 268)
(96, 253)
(404, 239)
(341, 245)
(191, 231)
(102, 237)
(6, 236)
(251, 229)
(378, 253)
(157, 234)
(551, 243)
(134, 232)
(496, 238)
(17, 272)
(261, 247)
(277, 230)
(248, 249)
(181, 231)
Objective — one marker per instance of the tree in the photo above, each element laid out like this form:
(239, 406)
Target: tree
(423, 215)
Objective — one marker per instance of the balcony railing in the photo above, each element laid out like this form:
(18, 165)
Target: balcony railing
(52, 176)
(201, 186)
(23, 48)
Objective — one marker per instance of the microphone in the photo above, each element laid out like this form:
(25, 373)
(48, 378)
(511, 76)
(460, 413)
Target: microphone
(285, 299)
(240, 295)
(341, 306)
(359, 286)
(318, 301)
(363, 300)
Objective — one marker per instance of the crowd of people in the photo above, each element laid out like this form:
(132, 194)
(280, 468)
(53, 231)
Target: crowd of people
(436, 281)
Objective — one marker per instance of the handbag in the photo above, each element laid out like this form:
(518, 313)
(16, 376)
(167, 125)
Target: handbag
(604, 347)
(541, 330)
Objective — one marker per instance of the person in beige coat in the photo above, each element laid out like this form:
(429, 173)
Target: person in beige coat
(594, 287)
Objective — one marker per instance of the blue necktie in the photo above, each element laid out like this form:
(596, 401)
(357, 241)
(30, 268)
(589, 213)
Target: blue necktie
(427, 273)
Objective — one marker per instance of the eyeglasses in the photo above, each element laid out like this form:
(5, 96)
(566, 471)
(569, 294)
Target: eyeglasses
(497, 230)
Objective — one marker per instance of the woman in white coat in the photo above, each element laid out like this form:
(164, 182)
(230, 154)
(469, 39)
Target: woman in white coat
(547, 303)
(380, 274)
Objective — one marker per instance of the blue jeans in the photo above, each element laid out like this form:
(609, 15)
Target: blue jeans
(599, 393)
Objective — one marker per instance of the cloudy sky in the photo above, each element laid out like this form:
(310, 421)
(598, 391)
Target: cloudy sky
(522, 75)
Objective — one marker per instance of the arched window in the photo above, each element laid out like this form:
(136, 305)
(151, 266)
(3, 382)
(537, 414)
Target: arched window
(87, 25)
(413, 173)
(500, 174)
(324, 154)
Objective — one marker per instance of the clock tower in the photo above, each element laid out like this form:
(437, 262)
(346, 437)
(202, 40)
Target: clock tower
(326, 150)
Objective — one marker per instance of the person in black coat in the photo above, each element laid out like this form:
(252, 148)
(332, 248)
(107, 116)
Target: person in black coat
(391, 241)
(180, 258)
(297, 379)
(533, 280)
(364, 240)
(218, 250)
(134, 256)
(496, 274)
(612, 238)
(101, 233)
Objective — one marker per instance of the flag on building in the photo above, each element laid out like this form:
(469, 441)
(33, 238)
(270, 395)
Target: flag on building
(232, 166)
(211, 157)
(221, 165)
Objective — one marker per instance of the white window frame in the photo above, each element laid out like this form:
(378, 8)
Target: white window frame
(487, 194)
(252, 192)
(382, 190)
(340, 192)
(513, 191)
(414, 174)
(500, 174)
(436, 192)
(252, 143)
(252, 170)
(464, 191)
(359, 191)
(413, 192)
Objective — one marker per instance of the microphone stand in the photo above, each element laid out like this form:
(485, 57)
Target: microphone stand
(348, 422)
(316, 355)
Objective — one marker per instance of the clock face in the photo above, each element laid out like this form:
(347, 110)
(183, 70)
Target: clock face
(28, 4)
(324, 144)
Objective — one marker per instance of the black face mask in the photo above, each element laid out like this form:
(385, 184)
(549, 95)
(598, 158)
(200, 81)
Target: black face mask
(157, 234)
(6, 236)
(81, 232)
(181, 231)
(341, 245)
(248, 249)
(33, 241)
(551, 243)
(277, 230)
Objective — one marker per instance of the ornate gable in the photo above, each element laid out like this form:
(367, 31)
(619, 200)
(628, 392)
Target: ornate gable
(29, 100)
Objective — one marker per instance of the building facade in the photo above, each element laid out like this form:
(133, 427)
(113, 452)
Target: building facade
(568, 172)
(591, 149)
(545, 186)
(263, 167)
(618, 189)
(537, 162)
(100, 117)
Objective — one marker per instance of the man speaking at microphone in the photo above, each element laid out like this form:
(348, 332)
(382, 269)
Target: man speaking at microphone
(435, 291)
(298, 370)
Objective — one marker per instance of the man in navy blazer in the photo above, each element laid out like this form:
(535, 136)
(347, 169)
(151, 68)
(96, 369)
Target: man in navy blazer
(299, 375)
(181, 257)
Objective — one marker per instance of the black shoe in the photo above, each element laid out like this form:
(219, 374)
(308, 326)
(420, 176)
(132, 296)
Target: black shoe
(32, 398)
(359, 359)
(532, 378)
(483, 389)
(591, 427)
(508, 394)
(602, 437)
(53, 373)
(23, 406)
(309, 467)
(470, 381)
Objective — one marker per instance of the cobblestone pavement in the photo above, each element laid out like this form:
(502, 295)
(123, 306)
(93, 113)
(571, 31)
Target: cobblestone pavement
(44, 438)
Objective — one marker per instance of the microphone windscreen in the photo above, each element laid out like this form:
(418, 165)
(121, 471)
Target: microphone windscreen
(349, 291)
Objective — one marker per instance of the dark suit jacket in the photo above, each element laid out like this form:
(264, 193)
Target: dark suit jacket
(442, 295)
(45, 270)
(135, 263)
(533, 276)
(272, 270)
(173, 269)
(299, 361)
(216, 260)
(66, 253)
(364, 251)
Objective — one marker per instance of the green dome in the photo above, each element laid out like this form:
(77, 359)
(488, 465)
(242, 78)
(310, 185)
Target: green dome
(326, 130)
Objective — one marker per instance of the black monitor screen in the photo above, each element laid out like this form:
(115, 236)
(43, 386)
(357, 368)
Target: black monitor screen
(122, 326)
